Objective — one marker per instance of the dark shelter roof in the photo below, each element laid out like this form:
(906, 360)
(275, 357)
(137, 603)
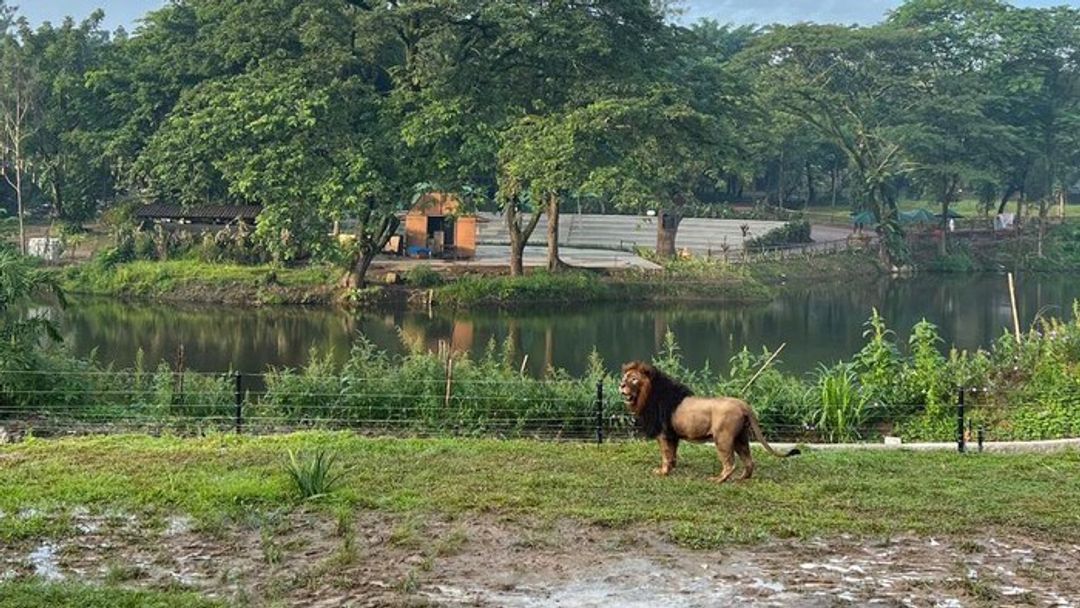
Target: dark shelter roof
(216, 213)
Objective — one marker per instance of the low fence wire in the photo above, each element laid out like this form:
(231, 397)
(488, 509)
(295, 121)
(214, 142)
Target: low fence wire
(95, 402)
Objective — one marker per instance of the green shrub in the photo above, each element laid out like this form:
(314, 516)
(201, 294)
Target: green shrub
(423, 275)
(534, 288)
(838, 406)
(313, 476)
(791, 233)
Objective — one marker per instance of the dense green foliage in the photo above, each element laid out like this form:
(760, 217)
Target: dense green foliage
(340, 111)
(791, 233)
(1025, 391)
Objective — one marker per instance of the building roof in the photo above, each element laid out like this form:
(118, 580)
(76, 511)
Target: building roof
(163, 211)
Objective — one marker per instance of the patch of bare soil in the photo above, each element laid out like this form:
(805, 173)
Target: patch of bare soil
(303, 559)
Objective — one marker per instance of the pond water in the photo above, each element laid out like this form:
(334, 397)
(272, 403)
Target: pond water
(821, 323)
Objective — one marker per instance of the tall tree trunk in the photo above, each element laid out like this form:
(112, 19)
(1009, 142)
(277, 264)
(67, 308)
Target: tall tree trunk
(667, 229)
(833, 176)
(369, 244)
(1044, 213)
(519, 236)
(19, 203)
(57, 197)
(780, 181)
(943, 249)
(554, 263)
(810, 194)
(1009, 191)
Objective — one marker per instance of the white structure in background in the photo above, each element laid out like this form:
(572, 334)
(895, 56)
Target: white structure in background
(1004, 221)
(48, 249)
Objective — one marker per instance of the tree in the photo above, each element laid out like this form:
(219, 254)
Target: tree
(949, 134)
(67, 146)
(20, 339)
(850, 85)
(19, 90)
(478, 75)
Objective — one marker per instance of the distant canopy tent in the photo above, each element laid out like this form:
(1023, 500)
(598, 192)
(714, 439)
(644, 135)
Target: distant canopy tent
(863, 218)
(952, 215)
(918, 216)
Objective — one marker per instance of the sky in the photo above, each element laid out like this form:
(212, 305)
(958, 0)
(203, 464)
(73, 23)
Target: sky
(126, 12)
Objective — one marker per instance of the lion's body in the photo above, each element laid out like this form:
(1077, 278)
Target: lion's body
(668, 411)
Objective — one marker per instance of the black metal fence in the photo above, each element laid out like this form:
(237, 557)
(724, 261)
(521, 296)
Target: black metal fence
(94, 402)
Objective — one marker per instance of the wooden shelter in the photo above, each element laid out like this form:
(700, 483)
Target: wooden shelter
(435, 228)
(198, 214)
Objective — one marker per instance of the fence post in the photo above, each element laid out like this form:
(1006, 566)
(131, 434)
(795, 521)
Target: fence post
(599, 412)
(960, 423)
(982, 434)
(239, 403)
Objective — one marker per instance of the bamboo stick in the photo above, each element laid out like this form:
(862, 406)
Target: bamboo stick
(1015, 313)
(764, 367)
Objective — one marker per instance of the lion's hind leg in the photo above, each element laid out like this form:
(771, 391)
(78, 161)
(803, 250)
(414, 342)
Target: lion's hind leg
(742, 447)
(724, 449)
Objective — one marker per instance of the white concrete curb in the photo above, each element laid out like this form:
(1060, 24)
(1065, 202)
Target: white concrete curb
(1016, 447)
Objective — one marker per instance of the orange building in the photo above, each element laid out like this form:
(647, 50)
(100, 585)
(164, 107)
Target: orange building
(434, 224)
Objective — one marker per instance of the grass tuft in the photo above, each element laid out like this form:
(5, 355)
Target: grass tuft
(313, 477)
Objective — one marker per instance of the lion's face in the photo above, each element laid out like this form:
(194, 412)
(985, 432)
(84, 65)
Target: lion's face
(634, 385)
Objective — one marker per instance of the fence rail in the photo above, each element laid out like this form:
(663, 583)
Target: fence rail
(96, 402)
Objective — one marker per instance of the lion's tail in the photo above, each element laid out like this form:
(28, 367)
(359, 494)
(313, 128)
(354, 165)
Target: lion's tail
(760, 436)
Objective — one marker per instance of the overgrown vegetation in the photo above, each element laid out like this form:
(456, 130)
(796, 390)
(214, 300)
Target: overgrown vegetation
(194, 280)
(1059, 251)
(792, 233)
(1029, 390)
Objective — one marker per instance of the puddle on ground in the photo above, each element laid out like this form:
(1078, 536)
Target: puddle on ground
(43, 559)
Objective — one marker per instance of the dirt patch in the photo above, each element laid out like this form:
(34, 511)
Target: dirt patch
(308, 559)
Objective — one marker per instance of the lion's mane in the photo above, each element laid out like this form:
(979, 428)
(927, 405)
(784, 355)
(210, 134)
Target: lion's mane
(657, 400)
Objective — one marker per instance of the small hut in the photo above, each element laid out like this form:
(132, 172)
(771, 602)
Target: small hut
(434, 227)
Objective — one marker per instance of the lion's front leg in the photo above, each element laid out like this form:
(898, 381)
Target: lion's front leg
(668, 449)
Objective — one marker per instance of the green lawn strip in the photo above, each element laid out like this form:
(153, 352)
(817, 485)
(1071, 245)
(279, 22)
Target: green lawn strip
(145, 278)
(45, 595)
(864, 493)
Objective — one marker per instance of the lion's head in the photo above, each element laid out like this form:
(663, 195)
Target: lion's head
(652, 396)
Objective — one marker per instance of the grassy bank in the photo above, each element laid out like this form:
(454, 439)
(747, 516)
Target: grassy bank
(714, 283)
(220, 479)
(1060, 252)
(194, 281)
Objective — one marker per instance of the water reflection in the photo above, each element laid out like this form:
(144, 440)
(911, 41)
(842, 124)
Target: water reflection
(820, 323)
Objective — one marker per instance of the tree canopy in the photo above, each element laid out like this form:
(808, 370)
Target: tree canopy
(328, 112)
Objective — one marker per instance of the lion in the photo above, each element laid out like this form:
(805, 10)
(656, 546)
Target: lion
(667, 410)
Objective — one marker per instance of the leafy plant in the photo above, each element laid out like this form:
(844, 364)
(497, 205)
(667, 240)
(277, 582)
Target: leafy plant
(839, 407)
(791, 233)
(423, 275)
(313, 477)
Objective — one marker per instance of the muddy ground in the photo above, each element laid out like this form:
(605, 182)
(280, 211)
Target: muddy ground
(315, 560)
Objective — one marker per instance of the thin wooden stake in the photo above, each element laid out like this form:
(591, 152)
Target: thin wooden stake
(449, 379)
(524, 362)
(1015, 313)
(764, 367)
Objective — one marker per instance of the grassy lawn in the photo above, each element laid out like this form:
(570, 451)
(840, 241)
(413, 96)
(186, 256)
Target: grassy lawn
(34, 595)
(152, 279)
(220, 479)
